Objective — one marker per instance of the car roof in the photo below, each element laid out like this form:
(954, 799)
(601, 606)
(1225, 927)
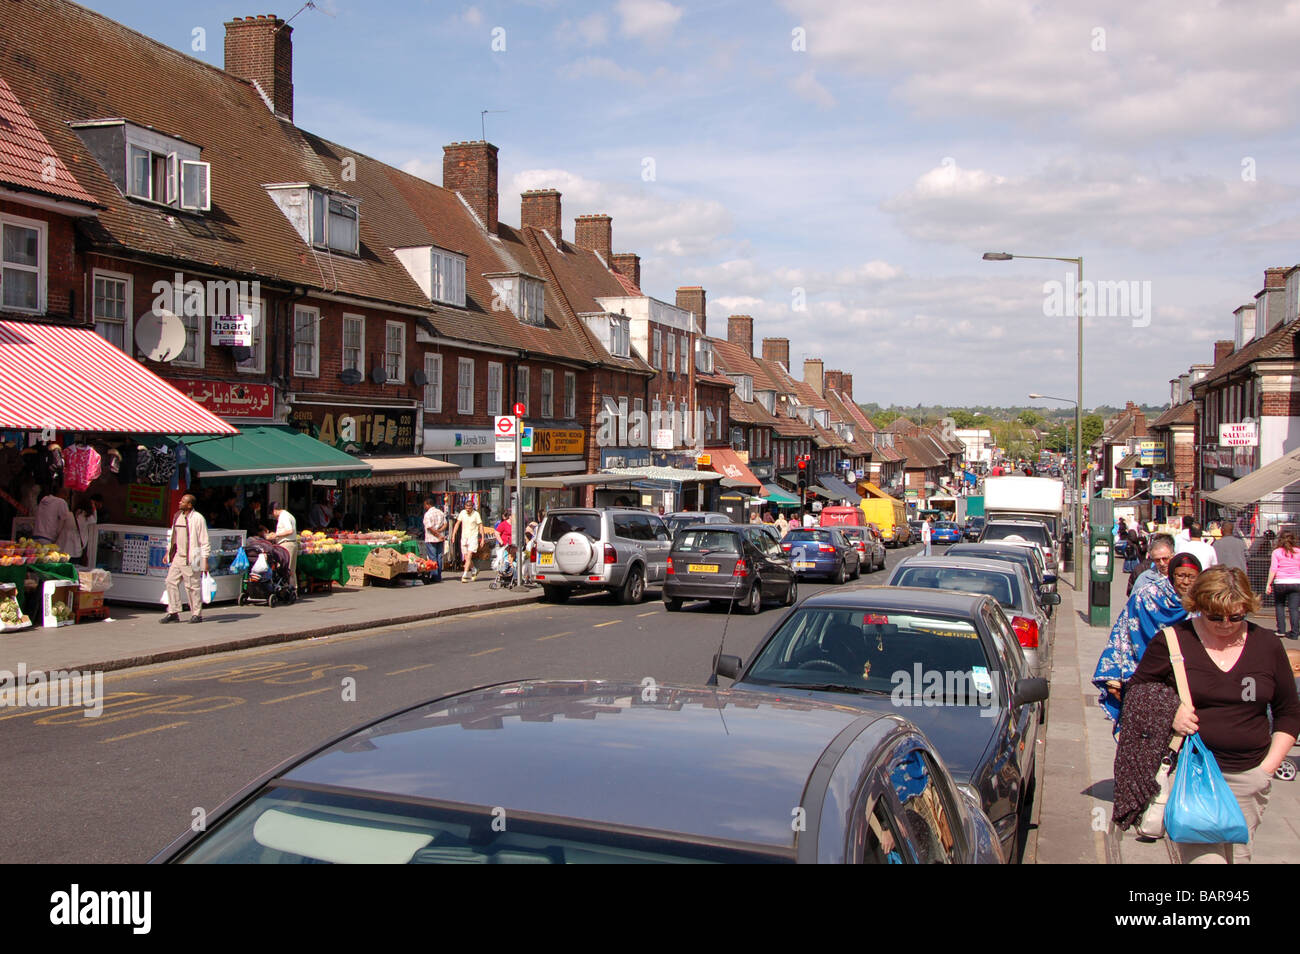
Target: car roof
(697, 761)
(964, 562)
(900, 599)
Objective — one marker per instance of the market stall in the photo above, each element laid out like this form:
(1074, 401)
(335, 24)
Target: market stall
(137, 558)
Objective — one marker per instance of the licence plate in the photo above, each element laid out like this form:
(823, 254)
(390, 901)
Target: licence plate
(702, 568)
(545, 559)
(804, 565)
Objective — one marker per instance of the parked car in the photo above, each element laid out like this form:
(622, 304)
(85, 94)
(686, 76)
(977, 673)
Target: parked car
(685, 518)
(621, 550)
(822, 551)
(914, 528)
(974, 527)
(1030, 531)
(1008, 583)
(948, 661)
(504, 775)
(871, 549)
(739, 562)
(945, 531)
(1026, 555)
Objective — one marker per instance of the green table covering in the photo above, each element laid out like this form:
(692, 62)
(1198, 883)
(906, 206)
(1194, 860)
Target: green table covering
(323, 566)
(42, 571)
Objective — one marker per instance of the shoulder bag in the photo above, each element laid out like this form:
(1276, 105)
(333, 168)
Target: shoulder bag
(1151, 823)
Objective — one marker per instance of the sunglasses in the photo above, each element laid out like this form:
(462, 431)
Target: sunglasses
(1235, 618)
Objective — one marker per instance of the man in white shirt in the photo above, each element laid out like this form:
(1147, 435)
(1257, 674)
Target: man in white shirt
(286, 535)
(1197, 547)
(809, 520)
(435, 531)
(52, 516)
(926, 533)
(187, 556)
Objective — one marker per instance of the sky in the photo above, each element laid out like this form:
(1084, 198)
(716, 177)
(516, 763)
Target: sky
(836, 168)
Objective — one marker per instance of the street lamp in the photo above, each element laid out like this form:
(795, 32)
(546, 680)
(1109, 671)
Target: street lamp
(1078, 403)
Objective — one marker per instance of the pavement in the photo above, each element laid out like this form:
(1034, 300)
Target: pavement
(1076, 774)
(132, 636)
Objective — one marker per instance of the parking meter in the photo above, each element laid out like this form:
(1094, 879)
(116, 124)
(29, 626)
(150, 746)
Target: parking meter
(1101, 571)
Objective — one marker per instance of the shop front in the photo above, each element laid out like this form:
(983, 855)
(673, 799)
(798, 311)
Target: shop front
(556, 451)
(482, 479)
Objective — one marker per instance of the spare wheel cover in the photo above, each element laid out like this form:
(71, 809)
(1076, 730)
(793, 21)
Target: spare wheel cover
(574, 553)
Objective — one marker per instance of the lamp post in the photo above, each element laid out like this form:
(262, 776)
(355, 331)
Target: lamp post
(1078, 403)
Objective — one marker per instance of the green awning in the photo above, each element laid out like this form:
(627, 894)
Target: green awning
(268, 455)
(778, 496)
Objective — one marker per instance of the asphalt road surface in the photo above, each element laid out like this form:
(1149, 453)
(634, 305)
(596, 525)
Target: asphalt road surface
(177, 739)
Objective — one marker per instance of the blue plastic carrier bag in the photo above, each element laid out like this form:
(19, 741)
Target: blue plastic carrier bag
(1202, 809)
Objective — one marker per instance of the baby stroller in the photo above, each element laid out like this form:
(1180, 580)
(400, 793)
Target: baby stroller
(503, 562)
(273, 586)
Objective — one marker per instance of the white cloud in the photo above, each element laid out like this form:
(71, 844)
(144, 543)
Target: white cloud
(805, 86)
(593, 30)
(648, 19)
(602, 68)
(473, 16)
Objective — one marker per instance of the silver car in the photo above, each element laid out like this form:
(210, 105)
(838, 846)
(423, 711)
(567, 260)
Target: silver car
(1008, 583)
(618, 549)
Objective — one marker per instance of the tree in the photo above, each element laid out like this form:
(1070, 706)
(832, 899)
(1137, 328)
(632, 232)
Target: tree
(962, 419)
(1093, 425)
(1029, 418)
(885, 418)
(1060, 438)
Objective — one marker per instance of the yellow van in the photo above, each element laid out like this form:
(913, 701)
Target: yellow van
(891, 517)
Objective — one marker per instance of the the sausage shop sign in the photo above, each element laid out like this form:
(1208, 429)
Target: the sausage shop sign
(358, 430)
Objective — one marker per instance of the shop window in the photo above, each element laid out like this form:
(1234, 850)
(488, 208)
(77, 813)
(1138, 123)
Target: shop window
(306, 341)
(548, 393)
(494, 388)
(112, 309)
(465, 386)
(22, 264)
(570, 396)
(433, 387)
(354, 343)
(395, 351)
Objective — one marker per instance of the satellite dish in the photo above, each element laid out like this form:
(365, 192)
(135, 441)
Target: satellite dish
(419, 378)
(351, 376)
(378, 375)
(240, 354)
(160, 335)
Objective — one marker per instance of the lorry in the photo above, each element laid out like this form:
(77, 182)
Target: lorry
(890, 516)
(1039, 498)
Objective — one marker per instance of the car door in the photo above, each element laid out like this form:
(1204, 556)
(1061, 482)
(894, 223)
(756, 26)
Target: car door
(657, 540)
(773, 569)
(1012, 762)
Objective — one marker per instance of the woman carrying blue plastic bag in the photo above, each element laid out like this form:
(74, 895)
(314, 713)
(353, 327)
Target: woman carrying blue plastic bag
(1236, 670)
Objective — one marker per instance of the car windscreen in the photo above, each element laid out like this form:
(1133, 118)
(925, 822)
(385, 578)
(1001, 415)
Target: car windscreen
(703, 541)
(946, 525)
(558, 524)
(1001, 586)
(1032, 533)
(814, 536)
(854, 533)
(287, 825)
(880, 652)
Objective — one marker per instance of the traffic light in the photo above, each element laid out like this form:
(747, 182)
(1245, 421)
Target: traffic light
(803, 473)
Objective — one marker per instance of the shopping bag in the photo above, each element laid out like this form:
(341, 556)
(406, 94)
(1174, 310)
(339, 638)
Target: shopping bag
(209, 588)
(1202, 809)
(261, 567)
(240, 563)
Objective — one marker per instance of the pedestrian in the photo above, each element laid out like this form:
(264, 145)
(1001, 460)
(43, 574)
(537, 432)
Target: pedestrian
(87, 519)
(470, 527)
(52, 517)
(1234, 726)
(782, 524)
(251, 519)
(187, 558)
(504, 531)
(767, 517)
(1284, 584)
(1186, 533)
(435, 532)
(228, 515)
(321, 513)
(1230, 548)
(753, 516)
(527, 568)
(1196, 546)
(1151, 607)
(286, 535)
(1159, 552)
(927, 531)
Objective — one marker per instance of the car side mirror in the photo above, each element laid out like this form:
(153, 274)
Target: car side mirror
(1051, 599)
(725, 665)
(1029, 690)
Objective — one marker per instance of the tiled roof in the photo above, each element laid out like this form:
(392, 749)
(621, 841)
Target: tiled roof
(1123, 426)
(920, 454)
(902, 425)
(850, 412)
(733, 358)
(1184, 413)
(1281, 342)
(27, 160)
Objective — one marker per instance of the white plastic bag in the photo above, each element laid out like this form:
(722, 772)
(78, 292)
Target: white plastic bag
(260, 565)
(209, 588)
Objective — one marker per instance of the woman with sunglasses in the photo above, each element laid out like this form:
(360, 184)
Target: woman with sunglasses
(1236, 670)
(1152, 606)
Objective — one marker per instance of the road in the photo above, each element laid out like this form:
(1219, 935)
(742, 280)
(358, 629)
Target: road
(177, 739)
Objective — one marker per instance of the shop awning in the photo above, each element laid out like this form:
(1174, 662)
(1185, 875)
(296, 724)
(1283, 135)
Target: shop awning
(674, 475)
(838, 487)
(564, 481)
(776, 495)
(822, 492)
(268, 455)
(1270, 478)
(872, 489)
(71, 379)
(399, 470)
(735, 472)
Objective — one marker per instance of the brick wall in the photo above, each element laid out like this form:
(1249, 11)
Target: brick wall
(63, 281)
(1280, 405)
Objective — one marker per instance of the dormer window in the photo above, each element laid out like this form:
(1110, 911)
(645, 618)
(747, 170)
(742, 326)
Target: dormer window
(620, 337)
(150, 165)
(744, 387)
(523, 295)
(447, 278)
(703, 356)
(334, 221)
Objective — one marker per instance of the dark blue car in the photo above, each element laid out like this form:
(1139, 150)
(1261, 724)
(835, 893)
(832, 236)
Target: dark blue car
(822, 551)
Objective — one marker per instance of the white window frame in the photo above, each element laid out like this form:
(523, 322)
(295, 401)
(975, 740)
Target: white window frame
(349, 318)
(570, 395)
(638, 416)
(256, 363)
(400, 327)
(656, 349)
(447, 277)
(433, 386)
(196, 325)
(532, 301)
(41, 269)
(548, 393)
(128, 323)
(522, 387)
(684, 354)
(495, 372)
(323, 240)
(671, 364)
(314, 312)
(620, 337)
(189, 168)
(464, 385)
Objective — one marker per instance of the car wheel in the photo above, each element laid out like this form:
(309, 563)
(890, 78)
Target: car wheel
(882, 560)
(672, 605)
(842, 575)
(555, 594)
(754, 603)
(792, 594)
(857, 570)
(634, 587)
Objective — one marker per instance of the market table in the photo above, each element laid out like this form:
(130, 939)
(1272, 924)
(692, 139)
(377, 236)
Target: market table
(323, 566)
(43, 571)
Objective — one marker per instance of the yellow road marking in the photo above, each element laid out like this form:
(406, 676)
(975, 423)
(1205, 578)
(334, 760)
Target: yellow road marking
(554, 636)
(612, 622)
(310, 692)
(398, 672)
(651, 613)
(486, 651)
(132, 735)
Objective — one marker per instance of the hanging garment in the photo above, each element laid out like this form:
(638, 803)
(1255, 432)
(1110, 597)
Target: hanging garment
(81, 466)
(163, 465)
(143, 464)
(182, 466)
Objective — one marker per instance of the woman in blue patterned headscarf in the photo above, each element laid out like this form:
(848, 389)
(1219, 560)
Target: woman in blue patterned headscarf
(1150, 608)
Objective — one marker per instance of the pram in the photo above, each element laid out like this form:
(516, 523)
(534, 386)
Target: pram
(505, 567)
(274, 586)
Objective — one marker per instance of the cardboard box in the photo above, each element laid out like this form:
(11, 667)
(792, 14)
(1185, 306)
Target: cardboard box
(385, 570)
(89, 601)
(9, 591)
(59, 592)
(356, 576)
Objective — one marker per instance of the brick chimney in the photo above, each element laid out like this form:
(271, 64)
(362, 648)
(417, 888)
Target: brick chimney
(628, 264)
(595, 233)
(258, 49)
(470, 168)
(1276, 277)
(834, 380)
(691, 298)
(812, 374)
(540, 209)
(846, 385)
(777, 349)
(1222, 349)
(740, 331)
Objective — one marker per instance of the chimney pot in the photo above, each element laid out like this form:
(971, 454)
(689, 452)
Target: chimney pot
(846, 385)
(540, 209)
(595, 233)
(740, 331)
(777, 349)
(692, 298)
(470, 168)
(259, 49)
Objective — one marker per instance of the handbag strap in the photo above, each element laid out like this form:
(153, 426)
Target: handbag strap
(1180, 678)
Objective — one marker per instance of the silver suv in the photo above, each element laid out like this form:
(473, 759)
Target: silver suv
(616, 549)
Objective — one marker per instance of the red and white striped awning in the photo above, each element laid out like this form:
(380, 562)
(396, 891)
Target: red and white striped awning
(71, 379)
